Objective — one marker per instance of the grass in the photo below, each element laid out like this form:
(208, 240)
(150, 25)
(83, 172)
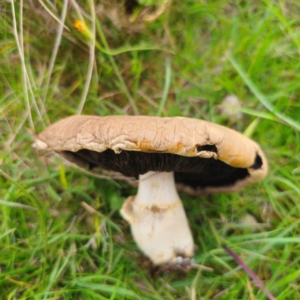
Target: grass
(61, 235)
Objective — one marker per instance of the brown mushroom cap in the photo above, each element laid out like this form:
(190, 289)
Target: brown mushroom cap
(205, 157)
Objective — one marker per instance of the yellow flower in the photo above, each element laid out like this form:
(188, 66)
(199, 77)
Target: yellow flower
(80, 26)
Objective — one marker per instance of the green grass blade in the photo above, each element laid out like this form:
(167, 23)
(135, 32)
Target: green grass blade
(261, 97)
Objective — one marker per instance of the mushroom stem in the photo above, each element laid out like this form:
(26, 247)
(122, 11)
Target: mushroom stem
(157, 218)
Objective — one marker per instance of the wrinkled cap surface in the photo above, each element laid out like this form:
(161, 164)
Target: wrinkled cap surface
(204, 157)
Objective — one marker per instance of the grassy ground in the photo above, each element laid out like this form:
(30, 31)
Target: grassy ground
(61, 235)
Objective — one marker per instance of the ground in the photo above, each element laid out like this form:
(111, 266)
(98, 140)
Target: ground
(61, 234)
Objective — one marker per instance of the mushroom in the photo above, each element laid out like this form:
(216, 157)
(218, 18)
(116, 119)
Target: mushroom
(196, 156)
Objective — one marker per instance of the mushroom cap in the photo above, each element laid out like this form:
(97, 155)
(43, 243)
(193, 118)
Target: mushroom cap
(204, 157)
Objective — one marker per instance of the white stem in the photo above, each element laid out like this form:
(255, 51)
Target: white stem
(157, 218)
